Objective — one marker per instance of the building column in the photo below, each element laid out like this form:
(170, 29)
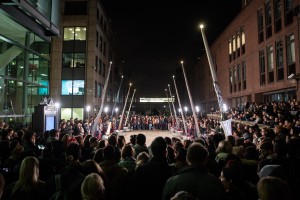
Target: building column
(25, 75)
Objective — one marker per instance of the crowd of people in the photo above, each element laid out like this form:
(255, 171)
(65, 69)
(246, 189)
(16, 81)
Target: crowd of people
(253, 163)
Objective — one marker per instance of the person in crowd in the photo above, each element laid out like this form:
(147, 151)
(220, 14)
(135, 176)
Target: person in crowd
(29, 144)
(2, 183)
(91, 166)
(71, 174)
(90, 147)
(140, 144)
(154, 174)
(127, 160)
(183, 195)
(195, 179)
(98, 157)
(142, 159)
(233, 180)
(266, 153)
(249, 162)
(121, 141)
(102, 143)
(65, 140)
(92, 188)
(132, 140)
(170, 150)
(113, 141)
(58, 148)
(273, 188)
(224, 153)
(28, 186)
(4, 145)
(180, 160)
(115, 174)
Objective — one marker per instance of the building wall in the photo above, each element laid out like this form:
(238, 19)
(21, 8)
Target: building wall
(248, 21)
(94, 71)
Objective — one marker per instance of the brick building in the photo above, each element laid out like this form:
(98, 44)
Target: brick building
(256, 57)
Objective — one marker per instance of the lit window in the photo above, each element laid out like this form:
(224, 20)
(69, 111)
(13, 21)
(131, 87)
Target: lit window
(72, 87)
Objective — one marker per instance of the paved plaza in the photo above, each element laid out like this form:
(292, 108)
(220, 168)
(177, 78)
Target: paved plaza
(150, 134)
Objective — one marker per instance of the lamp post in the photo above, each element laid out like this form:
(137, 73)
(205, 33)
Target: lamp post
(121, 120)
(176, 118)
(212, 71)
(96, 120)
(169, 104)
(226, 124)
(179, 103)
(129, 107)
(191, 101)
(117, 98)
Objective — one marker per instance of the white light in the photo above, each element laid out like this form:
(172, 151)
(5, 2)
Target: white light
(197, 108)
(225, 108)
(88, 108)
(179, 110)
(185, 108)
(106, 109)
(201, 26)
(57, 105)
(181, 62)
(116, 109)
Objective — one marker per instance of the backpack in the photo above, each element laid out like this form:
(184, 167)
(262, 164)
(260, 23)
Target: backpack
(64, 193)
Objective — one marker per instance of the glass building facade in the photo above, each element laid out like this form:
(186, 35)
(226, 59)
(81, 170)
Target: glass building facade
(26, 29)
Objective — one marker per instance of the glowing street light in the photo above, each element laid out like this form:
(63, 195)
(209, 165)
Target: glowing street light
(185, 109)
(106, 110)
(57, 105)
(197, 110)
(88, 108)
(116, 111)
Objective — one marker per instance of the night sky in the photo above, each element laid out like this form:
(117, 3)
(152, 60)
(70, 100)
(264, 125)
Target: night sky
(153, 36)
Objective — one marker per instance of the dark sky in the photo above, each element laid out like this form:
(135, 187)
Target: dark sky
(152, 36)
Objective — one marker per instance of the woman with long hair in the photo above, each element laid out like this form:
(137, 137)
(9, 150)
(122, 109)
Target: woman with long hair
(93, 188)
(28, 186)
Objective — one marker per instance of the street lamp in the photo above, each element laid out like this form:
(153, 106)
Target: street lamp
(185, 109)
(197, 109)
(116, 110)
(88, 108)
(106, 110)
